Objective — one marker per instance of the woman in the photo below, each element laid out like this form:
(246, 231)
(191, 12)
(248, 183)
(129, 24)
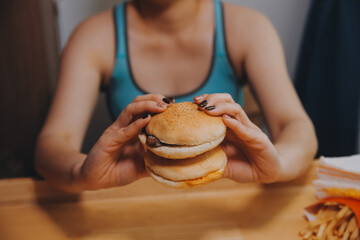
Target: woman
(198, 50)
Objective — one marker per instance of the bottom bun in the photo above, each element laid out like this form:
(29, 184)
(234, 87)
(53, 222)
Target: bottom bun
(188, 183)
(189, 172)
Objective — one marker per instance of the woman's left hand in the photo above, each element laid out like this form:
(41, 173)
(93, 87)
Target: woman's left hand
(251, 155)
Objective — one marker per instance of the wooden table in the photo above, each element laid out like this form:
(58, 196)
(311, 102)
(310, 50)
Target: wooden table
(147, 210)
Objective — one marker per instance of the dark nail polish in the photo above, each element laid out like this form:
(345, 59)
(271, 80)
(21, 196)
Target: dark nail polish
(210, 108)
(167, 100)
(203, 104)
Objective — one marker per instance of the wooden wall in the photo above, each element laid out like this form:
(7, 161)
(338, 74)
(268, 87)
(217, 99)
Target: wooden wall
(24, 85)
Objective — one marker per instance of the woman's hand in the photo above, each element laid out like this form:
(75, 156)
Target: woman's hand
(251, 155)
(117, 157)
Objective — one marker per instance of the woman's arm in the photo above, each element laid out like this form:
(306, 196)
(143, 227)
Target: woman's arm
(58, 156)
(291, 130)
(114, 159)
(252, 156)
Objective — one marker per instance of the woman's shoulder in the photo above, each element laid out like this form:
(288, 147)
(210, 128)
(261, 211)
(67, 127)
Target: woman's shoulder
(96, 25)
(246, 25)
(245, 18)
(94, 38)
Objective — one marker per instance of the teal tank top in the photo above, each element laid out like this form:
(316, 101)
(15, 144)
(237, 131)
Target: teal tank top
(122, 88)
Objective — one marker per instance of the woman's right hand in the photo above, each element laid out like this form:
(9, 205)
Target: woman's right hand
(117, 158)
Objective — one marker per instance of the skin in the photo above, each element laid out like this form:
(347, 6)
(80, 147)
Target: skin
(172, 40)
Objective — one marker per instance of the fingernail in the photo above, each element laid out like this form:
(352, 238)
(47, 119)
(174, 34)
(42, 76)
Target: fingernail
(198, 98)
(167, 100)
(210, 108)
(162, 105)
(146, 116)
(203, 104)
(227, 116)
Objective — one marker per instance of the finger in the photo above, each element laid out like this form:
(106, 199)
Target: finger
(199, 99)
(239, 170)
(214, 99)
(249, 136)
(122, 135)
(239, 129)
(159, 98)
(233, 110)
(238, 167)
(114, 136)
(142, 169)
(136, 109)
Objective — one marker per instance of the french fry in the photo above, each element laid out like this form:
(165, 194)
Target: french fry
(355, 234)
(343, 212)
(333, 221)
(346, 235)
(321, 231)
(325, 215)
(332, 204)
(329, 231)
(307, 235)
(342, 228)
(352, 224)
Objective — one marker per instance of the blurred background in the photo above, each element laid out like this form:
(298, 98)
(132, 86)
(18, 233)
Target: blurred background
(33, 35)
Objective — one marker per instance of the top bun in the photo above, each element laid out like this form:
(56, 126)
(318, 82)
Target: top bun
(185, 125)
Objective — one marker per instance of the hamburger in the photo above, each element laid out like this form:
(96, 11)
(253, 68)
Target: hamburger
(183, 146)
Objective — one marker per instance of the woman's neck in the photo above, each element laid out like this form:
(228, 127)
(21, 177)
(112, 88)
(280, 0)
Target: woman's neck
(168, 15)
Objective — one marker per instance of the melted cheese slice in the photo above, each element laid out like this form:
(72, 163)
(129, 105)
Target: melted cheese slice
(343, 192)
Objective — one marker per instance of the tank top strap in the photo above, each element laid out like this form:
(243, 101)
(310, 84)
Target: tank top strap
(219, 29)
(120, 29)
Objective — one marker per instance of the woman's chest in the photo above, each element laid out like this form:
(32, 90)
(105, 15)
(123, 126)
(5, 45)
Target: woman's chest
(173, 65)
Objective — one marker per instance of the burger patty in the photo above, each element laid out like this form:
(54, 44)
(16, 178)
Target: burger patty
(153, 141)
